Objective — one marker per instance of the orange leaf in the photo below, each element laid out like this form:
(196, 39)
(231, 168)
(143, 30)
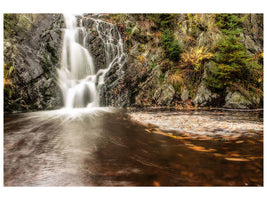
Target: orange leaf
(237, 159)
(156, 183)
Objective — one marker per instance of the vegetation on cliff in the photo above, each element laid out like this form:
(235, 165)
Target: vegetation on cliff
(173, 59)
(234, 67)
(193, 50)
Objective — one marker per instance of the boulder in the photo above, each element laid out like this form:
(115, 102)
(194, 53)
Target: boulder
(237, 100)
(185, 94)
(204, 97)
(164, 95)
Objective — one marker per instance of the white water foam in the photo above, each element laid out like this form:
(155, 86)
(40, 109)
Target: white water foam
(77, 72)
(77, 75)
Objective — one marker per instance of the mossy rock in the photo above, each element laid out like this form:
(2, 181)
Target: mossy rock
(239, 101)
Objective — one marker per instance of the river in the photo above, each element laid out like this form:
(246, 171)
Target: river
(111, 147)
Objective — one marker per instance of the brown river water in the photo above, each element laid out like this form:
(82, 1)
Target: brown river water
(113, 147)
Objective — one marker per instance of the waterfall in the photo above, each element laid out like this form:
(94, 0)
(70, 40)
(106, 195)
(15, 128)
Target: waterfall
(113, 45)
(77, 72)
(79, 78)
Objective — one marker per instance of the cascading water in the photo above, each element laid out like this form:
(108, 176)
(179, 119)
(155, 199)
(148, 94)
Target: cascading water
(78, 78)
(113, 43)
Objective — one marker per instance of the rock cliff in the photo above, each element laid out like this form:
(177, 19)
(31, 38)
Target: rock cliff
(32, 44)
(167, 59)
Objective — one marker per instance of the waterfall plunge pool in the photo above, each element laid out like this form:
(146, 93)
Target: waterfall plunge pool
(110, 147)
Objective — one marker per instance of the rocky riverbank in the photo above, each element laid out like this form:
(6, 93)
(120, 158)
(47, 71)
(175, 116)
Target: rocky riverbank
(203, 123)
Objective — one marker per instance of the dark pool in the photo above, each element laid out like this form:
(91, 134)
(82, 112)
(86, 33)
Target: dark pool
(106, 148)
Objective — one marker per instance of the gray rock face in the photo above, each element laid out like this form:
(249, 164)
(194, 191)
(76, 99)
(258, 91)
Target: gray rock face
(185, 94)
(96, 47)
(204, 97)
(164, 95)
(100, 33)
(147, 89)
(237, 100)
(34, 51)
(253, 32)
(27, 64)
(102, 41)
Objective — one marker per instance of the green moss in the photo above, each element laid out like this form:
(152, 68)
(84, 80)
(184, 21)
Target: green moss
(59, 32)
(142, 48)
(53, 53)
(177, 87)
(128, 31)
(161, 78)
(10, 24)
(137, 31)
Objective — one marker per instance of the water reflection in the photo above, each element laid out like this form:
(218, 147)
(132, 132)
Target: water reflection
(104, 147)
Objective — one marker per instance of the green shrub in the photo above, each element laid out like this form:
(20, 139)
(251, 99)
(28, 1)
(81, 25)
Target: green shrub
(233, 66)
(128, 31)
(163, 21)
(194, 58)
(171, 46)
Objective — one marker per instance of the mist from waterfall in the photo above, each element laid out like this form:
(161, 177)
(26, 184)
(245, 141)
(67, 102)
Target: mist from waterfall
(78, 78)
